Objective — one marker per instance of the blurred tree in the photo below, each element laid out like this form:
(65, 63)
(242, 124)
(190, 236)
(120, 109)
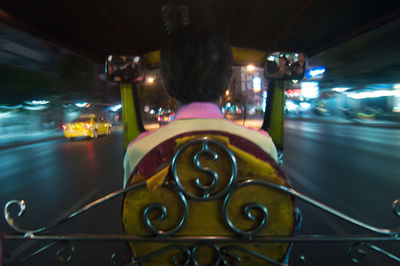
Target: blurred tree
(76, 75)
(17, 84)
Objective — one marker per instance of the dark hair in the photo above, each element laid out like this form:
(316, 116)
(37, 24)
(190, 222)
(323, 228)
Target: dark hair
(196, 68)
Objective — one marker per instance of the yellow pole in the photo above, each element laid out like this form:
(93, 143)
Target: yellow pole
(275, 115)
(129, 116)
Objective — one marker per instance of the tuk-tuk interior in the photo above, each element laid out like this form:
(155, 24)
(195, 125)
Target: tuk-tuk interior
(332, 33)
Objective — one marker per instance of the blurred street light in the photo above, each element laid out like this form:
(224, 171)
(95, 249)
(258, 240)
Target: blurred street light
(256, 84)
(373, 94)
(40, 102)
(340, 89)
(83, 105)
(115, 108)
(150, 80)
(250, 68)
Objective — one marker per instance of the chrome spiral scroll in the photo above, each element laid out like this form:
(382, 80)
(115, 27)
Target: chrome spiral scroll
(358, 251)
(205, 190)
(396, 207)
(65, 253)
(160, 207)
(217, 253)
(205, 149)
(118, 259)
(30, 232)
(182, 258)
(11, 222)
(247, 213)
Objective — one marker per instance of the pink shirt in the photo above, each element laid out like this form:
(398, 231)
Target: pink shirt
(199, 110)
(195, 110)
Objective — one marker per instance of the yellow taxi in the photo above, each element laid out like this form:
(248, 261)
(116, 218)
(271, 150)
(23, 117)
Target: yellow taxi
(87, 126)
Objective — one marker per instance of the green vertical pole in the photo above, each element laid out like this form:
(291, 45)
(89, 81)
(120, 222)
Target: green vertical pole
(129, 115)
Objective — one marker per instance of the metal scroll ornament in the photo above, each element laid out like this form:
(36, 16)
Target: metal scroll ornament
(31, 232)
(205, 191)
(182, 258)
(247, 213)
(163, 214)
(358, 252)
(64, 253)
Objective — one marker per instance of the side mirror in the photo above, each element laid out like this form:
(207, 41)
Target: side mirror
(285, 66)
(125, 69)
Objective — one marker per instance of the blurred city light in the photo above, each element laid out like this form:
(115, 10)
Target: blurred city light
(291, 106)
(305, 106)
(150, 80)
(317, 71)
(250, 68)
(256, 84)
(396, 86)
(373, 94)
(116, 107)
(271, 58)
(293, 93)
(264, 101)
(340, 89)
(310, 89)
(40, 102)
(227, 92)
(136, 59)
(81, 105)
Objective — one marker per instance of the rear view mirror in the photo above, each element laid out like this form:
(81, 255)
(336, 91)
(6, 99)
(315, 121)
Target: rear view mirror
(285, 66)
(125, 69)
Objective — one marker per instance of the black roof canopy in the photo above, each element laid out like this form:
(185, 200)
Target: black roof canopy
(97, 28)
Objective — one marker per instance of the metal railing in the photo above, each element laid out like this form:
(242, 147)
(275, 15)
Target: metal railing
(224, 247)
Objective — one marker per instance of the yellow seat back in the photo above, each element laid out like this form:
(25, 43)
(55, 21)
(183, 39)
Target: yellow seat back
(208, 188)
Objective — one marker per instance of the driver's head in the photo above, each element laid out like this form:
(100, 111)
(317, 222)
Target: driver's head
(196, 68)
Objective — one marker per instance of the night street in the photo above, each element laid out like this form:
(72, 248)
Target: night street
(57, 177)
(352, 168)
